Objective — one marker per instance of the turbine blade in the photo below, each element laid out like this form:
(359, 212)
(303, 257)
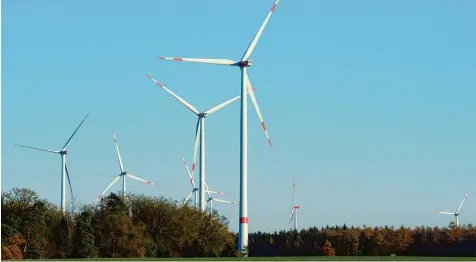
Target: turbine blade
(200, 60)
(207, 190)
(253, 43)
(215, 192)
(41, 149)
(178, 98)
(444, 213)
(195, 147)
(71, 137)
(255, 104)
(225, 201)
(118, 153)
(220, 106)
(292, 215)
(462, 201)
(69, 182)
(140, 179)
(188, 197)
(107, 188)
(189, 174)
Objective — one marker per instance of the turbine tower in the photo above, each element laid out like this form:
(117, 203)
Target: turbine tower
(199, 135)
(243, 64)
(456, 214)
(64, 169)
(122, 175)
(294, 211)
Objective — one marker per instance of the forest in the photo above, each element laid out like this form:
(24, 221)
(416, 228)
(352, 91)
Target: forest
(143, 226)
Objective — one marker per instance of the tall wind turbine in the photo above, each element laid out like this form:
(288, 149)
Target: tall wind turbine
(245, 85)
(199, 135)
(122, 175)
(294, 211)
(456, 214)
(64, 169)
(195, 189)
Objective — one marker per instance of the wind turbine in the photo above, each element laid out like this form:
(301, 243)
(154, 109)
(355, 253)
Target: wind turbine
(211, 199)
(294, 211)
(199, 135)
(456, 214)
(245, 85)
(194, 188)
(64, 169)
(122, 175)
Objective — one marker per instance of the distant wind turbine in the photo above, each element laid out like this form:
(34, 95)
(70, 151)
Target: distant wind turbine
(199, 136)
(456, 214)
(64, 169)
(294, 211)
(122, 175)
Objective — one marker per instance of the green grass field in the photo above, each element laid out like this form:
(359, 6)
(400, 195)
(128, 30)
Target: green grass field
(319, 258)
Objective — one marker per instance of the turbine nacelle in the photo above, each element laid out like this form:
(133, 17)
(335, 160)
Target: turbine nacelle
(63, 152)
(246, 63)
(202, 115)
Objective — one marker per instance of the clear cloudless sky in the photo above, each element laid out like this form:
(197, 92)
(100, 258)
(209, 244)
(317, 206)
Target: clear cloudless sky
(370, 104)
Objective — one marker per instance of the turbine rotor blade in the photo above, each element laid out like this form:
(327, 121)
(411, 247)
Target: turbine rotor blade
(255, 104)
(118, 153)
(69, 181)
(107, 188)
(201, 60)
(71, 137)
(189, 174)
(207, 190)
(462, 201)
(188, 197)
(292, 215)
(178, 98)
(253, 43)
(220, 106)
(140, 179)
(444, 213)
(225, 201)
(36, 148)
(195, 147)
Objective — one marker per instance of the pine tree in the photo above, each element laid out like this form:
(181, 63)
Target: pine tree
(83, 237)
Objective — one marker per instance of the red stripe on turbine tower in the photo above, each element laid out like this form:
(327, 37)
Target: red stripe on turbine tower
(243, 220)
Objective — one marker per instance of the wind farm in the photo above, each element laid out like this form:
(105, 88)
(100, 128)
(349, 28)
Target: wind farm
(364, 118)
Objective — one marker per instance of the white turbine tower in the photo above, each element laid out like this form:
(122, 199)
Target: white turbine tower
(122, 175)
(456, 214)
(194, 188)
(294, 211)
(245, 85)
(199, 135)
(64, 169)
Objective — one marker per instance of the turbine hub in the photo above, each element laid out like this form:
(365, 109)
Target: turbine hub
(202, 115)
(64, 152)
(246, 63)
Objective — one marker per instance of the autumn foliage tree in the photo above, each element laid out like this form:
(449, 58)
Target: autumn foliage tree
(141, 226)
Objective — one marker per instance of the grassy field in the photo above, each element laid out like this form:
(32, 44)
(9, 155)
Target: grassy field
(319, 258)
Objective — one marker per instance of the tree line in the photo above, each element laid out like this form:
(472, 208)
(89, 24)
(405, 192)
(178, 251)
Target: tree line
(142, 226)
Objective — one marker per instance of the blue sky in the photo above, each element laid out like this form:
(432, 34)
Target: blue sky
(370, 104)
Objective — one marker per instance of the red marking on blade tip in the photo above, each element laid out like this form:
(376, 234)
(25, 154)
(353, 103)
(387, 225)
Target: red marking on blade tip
(243, 220)
(263, 125)
(272, 8)
(270, 144)
(178, 59)
(193, 167)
